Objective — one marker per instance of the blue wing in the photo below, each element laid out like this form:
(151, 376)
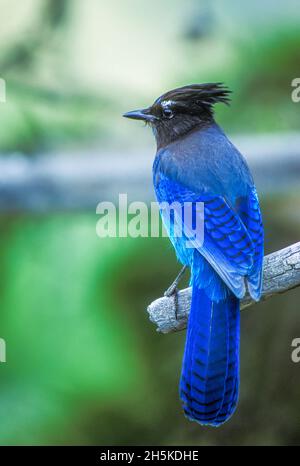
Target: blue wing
(233, 239)
(251, 216)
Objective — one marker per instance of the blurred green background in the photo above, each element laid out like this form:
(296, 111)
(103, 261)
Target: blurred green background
(84, 364)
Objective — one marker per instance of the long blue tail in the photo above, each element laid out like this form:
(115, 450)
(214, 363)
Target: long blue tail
(210, 374)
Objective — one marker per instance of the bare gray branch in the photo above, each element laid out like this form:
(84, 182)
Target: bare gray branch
(281, 273)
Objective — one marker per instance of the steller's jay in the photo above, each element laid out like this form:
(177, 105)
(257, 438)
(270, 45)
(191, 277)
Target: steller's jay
(196, 163)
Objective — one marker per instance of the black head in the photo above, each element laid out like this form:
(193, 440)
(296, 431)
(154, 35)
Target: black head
(179, 111)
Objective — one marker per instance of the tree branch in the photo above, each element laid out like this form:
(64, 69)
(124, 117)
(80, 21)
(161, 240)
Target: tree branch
(281, 273)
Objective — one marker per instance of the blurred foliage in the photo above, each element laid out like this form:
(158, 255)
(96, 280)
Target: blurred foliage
(84, 365)
(49, 106)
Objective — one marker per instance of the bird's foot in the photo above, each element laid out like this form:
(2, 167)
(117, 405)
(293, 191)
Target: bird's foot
(172, 291)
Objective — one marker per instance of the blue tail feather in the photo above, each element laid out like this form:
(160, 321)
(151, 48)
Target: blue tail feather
(210, 374)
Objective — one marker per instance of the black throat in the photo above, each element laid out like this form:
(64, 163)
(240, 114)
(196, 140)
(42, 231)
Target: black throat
(167, 131)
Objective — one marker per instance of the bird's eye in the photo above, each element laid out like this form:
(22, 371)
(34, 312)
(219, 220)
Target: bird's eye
(168, 113)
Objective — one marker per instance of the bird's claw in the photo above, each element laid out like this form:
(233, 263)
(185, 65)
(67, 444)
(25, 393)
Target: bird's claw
(172, 291)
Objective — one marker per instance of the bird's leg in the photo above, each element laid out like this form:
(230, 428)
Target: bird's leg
(173, 289)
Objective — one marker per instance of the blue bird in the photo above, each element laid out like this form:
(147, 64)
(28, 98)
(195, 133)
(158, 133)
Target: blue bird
(197, 165)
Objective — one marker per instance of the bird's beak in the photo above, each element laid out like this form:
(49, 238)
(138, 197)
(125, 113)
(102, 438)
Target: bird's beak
(144, 115)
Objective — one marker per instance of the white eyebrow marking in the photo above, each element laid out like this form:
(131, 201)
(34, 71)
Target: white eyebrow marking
(167, 103)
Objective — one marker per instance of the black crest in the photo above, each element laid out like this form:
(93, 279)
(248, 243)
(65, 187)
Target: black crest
(195, 96)
(177, 112)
